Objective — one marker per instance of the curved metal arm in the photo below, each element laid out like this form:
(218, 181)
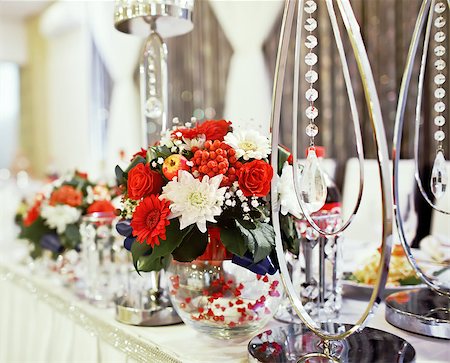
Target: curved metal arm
(382, 155)
(425, 10)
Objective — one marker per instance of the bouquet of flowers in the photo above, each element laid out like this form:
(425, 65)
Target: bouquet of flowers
(52, 221)
(201, 193)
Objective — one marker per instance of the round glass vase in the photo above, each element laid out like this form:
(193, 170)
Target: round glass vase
(219, 298)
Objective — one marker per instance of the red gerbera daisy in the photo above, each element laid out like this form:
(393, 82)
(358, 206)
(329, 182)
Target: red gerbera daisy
(150, 220)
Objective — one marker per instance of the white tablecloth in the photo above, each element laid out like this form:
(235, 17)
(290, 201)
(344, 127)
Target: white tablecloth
(43, 322)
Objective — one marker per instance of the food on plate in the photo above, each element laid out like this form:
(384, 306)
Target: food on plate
(400, 271)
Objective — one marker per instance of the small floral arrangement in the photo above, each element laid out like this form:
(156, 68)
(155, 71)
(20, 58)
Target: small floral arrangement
(201, 193)
(52, 221)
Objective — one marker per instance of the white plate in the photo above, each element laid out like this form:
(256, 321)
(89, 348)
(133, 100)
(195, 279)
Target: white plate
(355, 289)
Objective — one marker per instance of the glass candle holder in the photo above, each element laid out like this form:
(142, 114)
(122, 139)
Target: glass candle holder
(100, 251)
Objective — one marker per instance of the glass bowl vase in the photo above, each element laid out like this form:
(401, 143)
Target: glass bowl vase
(222, 299)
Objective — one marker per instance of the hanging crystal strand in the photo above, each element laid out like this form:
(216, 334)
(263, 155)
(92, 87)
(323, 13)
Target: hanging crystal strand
(439, 177)
(154, 85)
(313, 188)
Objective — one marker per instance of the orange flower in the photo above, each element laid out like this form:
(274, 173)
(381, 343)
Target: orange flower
(66, 195)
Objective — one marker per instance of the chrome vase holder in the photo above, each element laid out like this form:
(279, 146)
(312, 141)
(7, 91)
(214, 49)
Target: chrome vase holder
(425, 311)
(334, 339)
(156, 20)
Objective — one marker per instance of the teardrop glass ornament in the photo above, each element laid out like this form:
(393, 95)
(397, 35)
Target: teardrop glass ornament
(439, 177)
(312, 185)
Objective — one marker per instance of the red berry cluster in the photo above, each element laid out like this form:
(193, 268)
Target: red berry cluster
(216, 158)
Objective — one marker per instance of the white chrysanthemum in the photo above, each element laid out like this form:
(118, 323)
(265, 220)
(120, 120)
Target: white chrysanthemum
(194, 201)
(249, 144)
(59, 216)
(198, 142)
(286, 192)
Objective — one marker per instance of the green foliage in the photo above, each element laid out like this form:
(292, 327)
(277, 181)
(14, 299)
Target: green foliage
(156, 152)
(147, 259)
(289, 234)
(260, 241)
(137, 160)
(283, 155)
(193, 245)
(120, 176)
(71, 237)
(233, 239)
(410, 280)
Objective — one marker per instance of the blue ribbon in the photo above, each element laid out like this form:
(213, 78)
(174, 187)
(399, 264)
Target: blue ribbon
(128, 242)
(124, 228)
(51, 242)
(265, 266)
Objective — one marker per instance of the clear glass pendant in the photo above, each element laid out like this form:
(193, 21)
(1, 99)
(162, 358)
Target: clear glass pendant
(312, 186)
(439, 177)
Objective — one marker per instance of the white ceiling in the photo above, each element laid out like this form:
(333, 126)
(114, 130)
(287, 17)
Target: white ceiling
(21, 9)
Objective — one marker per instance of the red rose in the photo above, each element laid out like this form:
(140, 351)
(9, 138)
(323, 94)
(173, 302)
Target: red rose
(142, 153)
(254, 178)
(32, 214)
(143, 181)
(101, 206)
(214, 129)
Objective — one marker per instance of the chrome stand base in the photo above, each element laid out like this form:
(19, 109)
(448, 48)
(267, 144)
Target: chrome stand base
(295, 343)
(421, 311)
(157, 312)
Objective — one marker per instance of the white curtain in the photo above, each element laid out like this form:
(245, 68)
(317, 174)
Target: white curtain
(120, 52)
(249, 87)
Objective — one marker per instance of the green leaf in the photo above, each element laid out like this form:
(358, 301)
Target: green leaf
(233, 239)
(71, 237)
(120, 175)
(192, 246)
(289, 234)
(283, 155)
(260, 240)
(154, 256)
(137, 160)
(155, 152)
(246, 223)
(35, 231)
(410, 280)
(148, 263)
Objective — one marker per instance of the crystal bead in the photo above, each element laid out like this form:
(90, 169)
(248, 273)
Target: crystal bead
(439, 8)
(310, 59)
(311, 94)
(439, 177)
(439, 51)
(312, 185)
(311, 234)
(439, 64)
(439, 37)
(311, 76)
(439, 135)
(439, 106)
(312, 130)
(439, 120)
(311, 24)
(311, 42)
(153, 108)
(310, 7)
(439, 93)
(311, 112)
(439, 22)
(439, 79)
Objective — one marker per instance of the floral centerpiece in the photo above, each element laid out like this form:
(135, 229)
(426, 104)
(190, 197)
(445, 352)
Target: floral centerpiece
(199, 181)
(52, 221)
(196, 204)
